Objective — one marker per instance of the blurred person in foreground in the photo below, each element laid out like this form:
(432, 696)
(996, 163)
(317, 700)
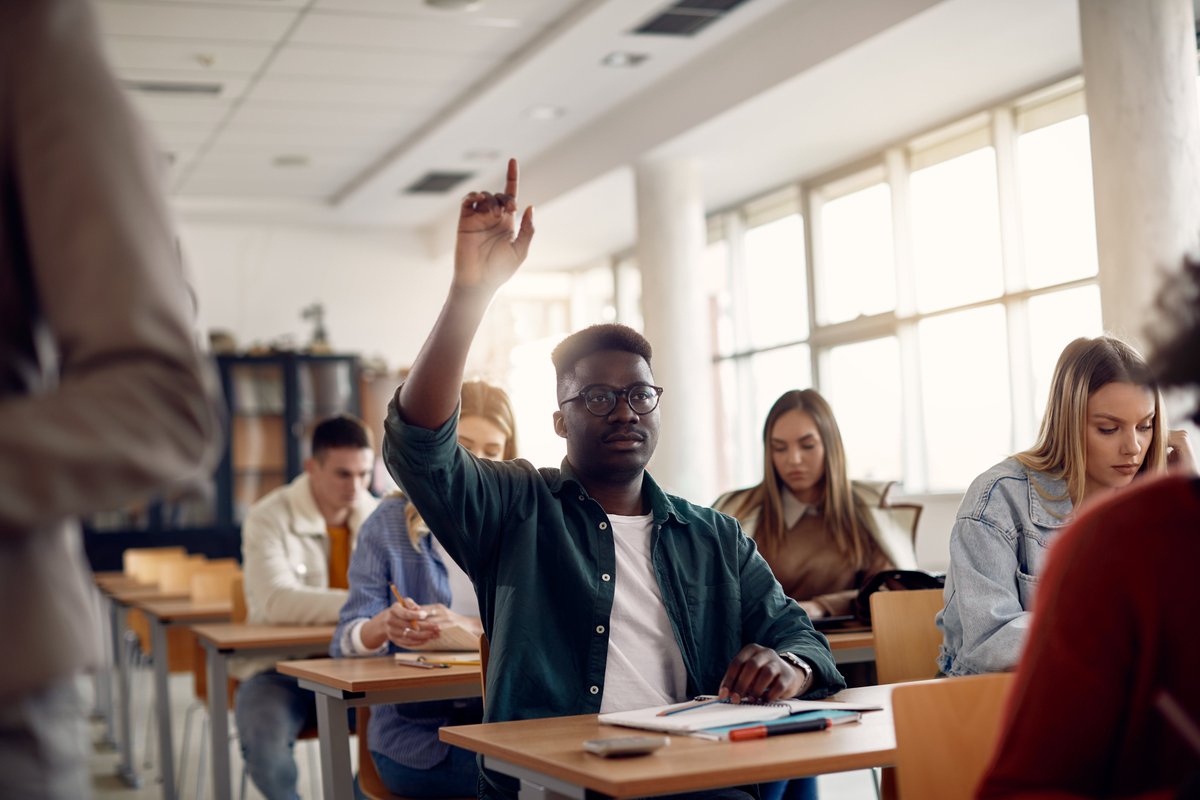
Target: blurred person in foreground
(104, 396)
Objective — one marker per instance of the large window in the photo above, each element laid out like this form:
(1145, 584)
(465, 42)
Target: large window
(948, 273)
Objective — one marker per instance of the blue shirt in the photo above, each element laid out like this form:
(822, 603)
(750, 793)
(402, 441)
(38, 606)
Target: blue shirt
(407, 733)
(540, 552)
(998, 548)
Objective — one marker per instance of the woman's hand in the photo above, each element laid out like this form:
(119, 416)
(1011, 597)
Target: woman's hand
(438, 614)
(1180, 460)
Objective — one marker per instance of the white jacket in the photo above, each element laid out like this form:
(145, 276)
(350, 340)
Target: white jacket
(285, 562)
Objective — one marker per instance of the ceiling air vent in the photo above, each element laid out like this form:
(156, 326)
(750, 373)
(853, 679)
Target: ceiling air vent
(189, 88)
(437, 182)
(687, 17)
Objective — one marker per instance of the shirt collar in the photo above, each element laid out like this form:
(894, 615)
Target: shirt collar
(1051, 507)
(662, 506)
(795, 509)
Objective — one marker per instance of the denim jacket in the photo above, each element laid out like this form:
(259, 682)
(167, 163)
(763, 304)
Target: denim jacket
(998, 549)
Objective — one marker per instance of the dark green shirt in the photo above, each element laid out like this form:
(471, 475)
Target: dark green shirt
(540, 553)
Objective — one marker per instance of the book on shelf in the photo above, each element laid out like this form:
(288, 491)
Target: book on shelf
(702, 714)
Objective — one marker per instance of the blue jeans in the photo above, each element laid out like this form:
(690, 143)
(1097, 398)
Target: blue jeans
(795, 789)
(456, 776)
(271, 711)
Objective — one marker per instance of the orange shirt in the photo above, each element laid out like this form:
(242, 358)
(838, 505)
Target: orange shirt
(339, 557)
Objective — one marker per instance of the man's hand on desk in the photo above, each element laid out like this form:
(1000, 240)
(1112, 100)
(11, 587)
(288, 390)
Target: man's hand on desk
(758, 673)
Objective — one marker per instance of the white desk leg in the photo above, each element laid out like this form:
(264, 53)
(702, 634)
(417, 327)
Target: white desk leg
(104, 676)
(162, 702)
(337, 779)
(218, 721)
(125, 769)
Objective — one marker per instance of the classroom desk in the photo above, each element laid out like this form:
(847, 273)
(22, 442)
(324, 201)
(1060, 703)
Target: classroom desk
(341, 683)
(547, 755)
(852, 647)
(120, 598)
(106, 582)
(223, 641)
(162, 614)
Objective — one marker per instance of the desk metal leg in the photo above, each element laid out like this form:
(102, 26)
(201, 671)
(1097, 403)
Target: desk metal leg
(337, 779)
(218, 721)
(126, 769)
(162, 702)
(104, 676)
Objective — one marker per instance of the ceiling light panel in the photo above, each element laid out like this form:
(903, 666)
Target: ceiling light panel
(394, 33)
(191, 56)
(156, 19)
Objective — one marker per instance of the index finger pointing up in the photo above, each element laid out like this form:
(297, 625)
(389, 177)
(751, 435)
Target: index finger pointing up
(510, 183)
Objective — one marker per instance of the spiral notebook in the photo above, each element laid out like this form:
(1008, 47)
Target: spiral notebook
(720, 715)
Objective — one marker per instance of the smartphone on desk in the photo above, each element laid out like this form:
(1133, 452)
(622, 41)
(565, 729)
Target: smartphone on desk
(619, 746)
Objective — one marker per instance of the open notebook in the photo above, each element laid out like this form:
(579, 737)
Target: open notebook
(451, 637)
(721, 715)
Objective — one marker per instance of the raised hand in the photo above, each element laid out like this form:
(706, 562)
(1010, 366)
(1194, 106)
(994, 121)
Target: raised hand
(489, 248)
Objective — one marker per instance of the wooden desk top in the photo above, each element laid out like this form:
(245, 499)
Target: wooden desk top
(141, 592)
(245, 636)
(184, 610)
(554, 747)
(850, 640)
(379, 673)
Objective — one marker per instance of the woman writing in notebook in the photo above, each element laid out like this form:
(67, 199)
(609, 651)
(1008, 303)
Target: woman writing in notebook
(822, 535)
(431, 594)
(1104, 427)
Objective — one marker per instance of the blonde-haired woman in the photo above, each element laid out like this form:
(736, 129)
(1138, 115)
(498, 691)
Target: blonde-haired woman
(822, 535)
(395, 547)
(1104, 425)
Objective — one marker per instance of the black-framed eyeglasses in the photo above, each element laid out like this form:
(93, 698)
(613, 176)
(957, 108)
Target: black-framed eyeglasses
(600, 399)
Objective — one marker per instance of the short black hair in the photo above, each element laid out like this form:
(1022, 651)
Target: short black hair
(1176, 359)
(343, 430)
(595, 339)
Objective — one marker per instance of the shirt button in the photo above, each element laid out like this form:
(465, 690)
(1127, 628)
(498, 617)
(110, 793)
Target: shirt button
(581, 498)
(603, 526)
(599, 629)
(594, 690)
(606, 577)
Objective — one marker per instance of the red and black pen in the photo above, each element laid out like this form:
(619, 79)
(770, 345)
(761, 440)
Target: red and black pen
(803, 726)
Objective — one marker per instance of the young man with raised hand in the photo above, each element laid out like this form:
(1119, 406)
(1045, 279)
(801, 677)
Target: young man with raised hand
(597, 590)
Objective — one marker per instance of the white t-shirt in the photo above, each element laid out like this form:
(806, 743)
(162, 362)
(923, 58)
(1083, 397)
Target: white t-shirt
(645, 667)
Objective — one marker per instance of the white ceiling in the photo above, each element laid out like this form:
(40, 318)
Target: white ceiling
(372, 94)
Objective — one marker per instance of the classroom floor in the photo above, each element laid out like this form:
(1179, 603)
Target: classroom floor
(107, 786)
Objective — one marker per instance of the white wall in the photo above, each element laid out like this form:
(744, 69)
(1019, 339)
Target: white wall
(381, 294)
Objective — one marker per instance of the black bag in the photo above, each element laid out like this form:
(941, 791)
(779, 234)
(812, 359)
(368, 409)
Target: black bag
(893, 580)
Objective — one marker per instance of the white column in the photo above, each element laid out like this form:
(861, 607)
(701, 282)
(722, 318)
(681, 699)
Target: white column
(670, 249)
(1139, 69)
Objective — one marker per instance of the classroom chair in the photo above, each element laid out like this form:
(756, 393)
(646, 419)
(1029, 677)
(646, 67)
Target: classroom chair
(906, 637)
(896, 522)
(133, 557)
(946, 730)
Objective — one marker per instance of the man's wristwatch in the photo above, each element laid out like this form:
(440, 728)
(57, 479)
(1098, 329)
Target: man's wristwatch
(805, 670)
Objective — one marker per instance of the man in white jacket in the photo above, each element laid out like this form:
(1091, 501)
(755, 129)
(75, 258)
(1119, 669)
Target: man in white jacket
(296, 544)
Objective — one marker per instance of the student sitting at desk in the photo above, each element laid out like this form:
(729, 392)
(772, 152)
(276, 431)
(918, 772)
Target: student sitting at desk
(821, 535)
(296, 545)
(598, 591)
(1106, 701)
(395, 549)
(1104, 426)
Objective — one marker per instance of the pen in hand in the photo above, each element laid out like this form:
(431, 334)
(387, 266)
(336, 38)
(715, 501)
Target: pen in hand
(407, 603)
(666, 712)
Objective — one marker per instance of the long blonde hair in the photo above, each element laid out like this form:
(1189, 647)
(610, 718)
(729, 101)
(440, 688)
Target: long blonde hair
(844, 513)
(478, 399)
(1085, 366)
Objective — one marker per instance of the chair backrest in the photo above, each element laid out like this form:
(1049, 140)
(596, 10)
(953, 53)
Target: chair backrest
(137, 562)
(213, 584)
(175, 576)
(906, 636)
(239, 599)
(946, 731)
